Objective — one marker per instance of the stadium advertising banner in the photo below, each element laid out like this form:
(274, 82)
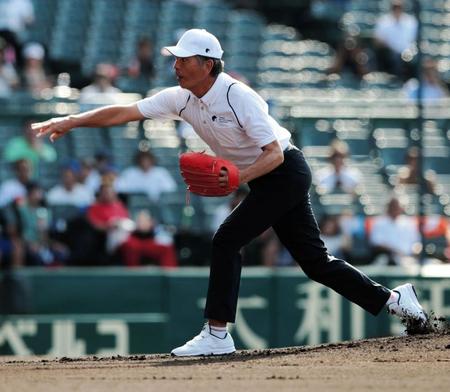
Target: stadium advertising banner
(119, 312)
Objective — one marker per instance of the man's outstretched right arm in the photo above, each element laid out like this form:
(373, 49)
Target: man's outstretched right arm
(102, 117)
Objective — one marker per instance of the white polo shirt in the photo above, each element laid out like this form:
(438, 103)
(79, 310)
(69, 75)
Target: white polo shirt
(231, 118)
(397, 34)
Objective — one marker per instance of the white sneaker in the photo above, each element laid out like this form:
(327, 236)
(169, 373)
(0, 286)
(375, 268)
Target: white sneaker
(407, 306)
(206, 344)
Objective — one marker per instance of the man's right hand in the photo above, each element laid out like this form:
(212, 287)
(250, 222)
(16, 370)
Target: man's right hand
(54, 128)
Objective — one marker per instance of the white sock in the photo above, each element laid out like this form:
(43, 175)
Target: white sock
(393, 298)
(218, 332)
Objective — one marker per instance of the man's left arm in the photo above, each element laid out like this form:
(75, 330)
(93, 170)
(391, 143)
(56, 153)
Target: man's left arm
(271, 157)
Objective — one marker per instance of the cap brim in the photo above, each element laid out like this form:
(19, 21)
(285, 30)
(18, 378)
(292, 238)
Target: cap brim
(176, 51)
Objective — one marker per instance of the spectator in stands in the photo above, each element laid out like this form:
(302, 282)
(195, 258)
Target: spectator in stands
(107, 209)
(336, 241)
(15, 188)
(29, 147)
(142, 65)
(94, 171)
(394, 237)
(265, 250)
(433, 87)
(15, 17)
(108, 225)
(35, 78)
(28, 222)
(338, 176)
(350, 59)
(224, 209)
(70, 192)
(395, 36)
(145, 176)
(88, 175)
(9, 79)
(144, 246)
(436, 230)
(102, 85)
(409, 174)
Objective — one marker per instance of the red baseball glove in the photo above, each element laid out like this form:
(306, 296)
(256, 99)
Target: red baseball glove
(201, 172)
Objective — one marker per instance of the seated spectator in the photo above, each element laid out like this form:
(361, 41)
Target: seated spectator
(29, 147)
(15, 17)
(70, 191)
(265, 249)
(394, 237)
(409, 174)
(95, 171)
(395, 36)
(145, 176)
(336, 241)
(28, 222)
(143, 246)
(102, 85)
(88, 175)
(433, 87)
(35, 78)
(9, 80)
(15, 188)
(108, 226)
(436, 231)
(104, 213)
(338, 176)
(142, 65)
(225, 209)
(350, 58)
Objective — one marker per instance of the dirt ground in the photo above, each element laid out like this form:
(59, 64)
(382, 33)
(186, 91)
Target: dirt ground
(409, 363)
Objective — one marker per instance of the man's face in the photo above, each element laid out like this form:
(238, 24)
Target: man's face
(69, 178)
(107, 194)
(394, 208)
(145, 163)
(191, 72)
(397, 10)
(23, 170)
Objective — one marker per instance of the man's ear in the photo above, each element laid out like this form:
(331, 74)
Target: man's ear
(210, 65)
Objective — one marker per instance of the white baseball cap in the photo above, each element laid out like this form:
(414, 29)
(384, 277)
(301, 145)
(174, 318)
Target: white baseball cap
(195, 42)
(34, 50)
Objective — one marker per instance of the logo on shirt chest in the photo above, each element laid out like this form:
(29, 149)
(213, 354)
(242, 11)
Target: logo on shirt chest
(222, 121)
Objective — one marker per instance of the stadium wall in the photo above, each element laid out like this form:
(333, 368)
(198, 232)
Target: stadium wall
(113, 311)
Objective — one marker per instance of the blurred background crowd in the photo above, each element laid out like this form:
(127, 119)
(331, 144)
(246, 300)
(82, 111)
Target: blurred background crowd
(115, 197)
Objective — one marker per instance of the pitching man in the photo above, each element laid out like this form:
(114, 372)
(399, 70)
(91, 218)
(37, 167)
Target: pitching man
(234, 121)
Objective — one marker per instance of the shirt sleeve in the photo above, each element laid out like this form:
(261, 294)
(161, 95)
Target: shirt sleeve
(163, 105)
(253, 114)
(168, 184)
(380, 26)
(377, 235)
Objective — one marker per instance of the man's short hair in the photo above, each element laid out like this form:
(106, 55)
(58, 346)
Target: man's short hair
(217, 66)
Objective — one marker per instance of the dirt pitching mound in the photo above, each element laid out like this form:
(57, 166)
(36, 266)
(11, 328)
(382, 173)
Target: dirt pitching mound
(408, 363)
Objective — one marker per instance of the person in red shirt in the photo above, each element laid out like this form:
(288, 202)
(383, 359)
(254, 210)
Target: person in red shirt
(107, 228)
(107, 209)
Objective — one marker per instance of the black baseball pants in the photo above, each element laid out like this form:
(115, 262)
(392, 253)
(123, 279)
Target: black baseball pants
(281, 199)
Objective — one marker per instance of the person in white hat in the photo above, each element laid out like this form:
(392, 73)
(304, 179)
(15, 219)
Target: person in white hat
(234, 121)
(34, 74)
